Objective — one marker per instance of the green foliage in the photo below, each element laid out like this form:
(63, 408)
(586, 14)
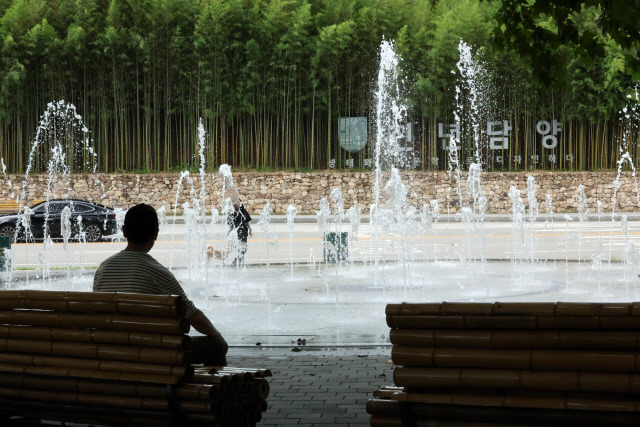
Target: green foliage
(538, 29)
(270, 78)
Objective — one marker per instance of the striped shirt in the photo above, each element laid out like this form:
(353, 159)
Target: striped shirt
(138, 272)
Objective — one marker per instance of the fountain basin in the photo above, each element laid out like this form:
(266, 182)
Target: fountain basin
(344, 304)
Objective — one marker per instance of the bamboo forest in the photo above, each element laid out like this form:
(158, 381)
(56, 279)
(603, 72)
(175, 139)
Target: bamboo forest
(275, 81)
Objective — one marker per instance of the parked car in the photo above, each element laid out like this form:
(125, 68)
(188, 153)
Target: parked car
(97, 221)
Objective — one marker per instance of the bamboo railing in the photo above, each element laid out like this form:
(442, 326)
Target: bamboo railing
(517, 363)
(115, 359)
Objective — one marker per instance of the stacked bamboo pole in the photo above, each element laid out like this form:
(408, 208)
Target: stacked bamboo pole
(115, 359)
(517, 363)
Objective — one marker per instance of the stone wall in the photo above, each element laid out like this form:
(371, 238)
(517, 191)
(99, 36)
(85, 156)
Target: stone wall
(304, 190)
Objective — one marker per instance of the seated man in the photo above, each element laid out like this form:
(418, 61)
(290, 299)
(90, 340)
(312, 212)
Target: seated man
(134, 270)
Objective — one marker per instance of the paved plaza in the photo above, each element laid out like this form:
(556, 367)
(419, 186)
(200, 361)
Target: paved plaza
(319, 386)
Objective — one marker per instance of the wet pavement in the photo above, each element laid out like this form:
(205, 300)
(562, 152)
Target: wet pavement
(319, 386)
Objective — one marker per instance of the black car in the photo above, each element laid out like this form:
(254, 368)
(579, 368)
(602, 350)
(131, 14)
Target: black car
(97, 221)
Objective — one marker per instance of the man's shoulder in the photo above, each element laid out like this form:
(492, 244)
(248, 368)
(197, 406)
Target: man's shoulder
(135, 258)
(134, 265)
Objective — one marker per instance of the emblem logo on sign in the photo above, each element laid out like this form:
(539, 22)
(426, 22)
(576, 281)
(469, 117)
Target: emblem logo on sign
(352, 132)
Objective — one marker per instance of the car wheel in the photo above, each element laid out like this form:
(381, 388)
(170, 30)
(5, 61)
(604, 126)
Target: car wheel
(8, 230)
(93, 233)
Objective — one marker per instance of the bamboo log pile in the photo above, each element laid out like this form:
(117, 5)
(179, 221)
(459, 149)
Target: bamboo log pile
(115, 359)
(516, 363)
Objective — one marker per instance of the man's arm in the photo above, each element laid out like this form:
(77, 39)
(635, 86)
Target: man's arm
(202, 324)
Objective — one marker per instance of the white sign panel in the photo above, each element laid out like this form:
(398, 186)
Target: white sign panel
(353, 133)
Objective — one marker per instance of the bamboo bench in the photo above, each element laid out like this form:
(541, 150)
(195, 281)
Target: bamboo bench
(114, 359)
(512, 363)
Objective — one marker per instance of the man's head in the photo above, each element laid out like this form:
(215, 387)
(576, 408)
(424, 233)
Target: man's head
(141, 224)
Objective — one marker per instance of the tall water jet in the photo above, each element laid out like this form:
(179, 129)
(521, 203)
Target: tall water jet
(517, 218)
(338, 207)
(582, 218)
(474, 189)
(195, 238)
(232, 238)
(201, 168)
(184, 176)
(467, 116)
(598, 255)
(194, 212)
(353, 214)
(227, 179)
(322, 219)
(532, 199)
(291, 217)
(265, 224)
(396, 216)
(467, 111)
(65, 231)
(548, 208)
(391, 118)
(629, 117)
(435, 213)
(61, 146)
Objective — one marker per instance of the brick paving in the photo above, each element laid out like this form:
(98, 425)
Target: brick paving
(318, 386)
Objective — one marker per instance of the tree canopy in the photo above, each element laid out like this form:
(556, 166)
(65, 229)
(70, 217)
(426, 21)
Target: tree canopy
(537, 30)
(271, 79)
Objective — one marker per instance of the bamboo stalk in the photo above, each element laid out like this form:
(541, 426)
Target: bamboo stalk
(517, 379)
(204, 419)
(384, 407)
(99, 402)
(254, 372)
(232, 374)
(129, 303)
(121, 322)
(386, 391)
(515, 322)
(24, 360)
(426, 322)
(96, 351)
(568, 339)
(89, 373)
(542, 309)
(553, 360)
(209, 378)
(96, 336)
(262, 388)
(384, 421)
(182, 391)
(420, 414)
(195, 407)
(530, 399)
(79, 413)
(94, 307)
(93, 400)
